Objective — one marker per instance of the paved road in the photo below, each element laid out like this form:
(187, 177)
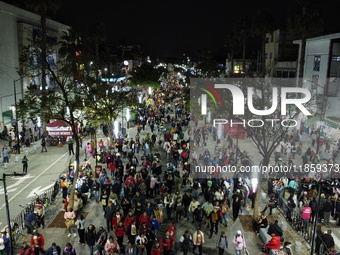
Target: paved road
(43, 170)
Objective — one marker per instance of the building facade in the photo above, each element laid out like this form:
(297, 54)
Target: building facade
(281, 54)
(20, 27)
(322, 70)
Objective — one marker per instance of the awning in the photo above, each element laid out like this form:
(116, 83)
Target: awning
(332, 124)
(7, 114)
(311, 121)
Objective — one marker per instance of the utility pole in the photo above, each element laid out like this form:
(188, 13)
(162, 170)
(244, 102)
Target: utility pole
(7, 209)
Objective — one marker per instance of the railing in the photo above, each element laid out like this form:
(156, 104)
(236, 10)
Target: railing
(302, 227)
(46, 199)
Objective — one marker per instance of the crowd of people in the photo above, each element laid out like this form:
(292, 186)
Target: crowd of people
(141, 188)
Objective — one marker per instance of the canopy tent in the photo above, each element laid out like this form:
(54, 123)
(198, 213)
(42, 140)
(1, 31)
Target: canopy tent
(236, 131)
(59, 128)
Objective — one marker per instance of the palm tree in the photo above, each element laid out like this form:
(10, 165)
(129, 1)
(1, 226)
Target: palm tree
(263, 23)
(96, 34)
(230, 43)
(243, 29)
(305, 18)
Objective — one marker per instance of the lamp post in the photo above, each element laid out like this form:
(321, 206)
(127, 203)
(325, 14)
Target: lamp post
(16, 114)
(7, 209)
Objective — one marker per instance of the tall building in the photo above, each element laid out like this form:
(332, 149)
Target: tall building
(20, 27)
(281, 54)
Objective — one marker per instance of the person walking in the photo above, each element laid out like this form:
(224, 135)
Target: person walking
(43, 145)
(90, 237)
(185, 242)
(53, 250)
(70, 146)
(69, 217)
(24, 164)
(214, 218)
(239, 242)
(198, 241)
(222, 243)
(37, 242)
(80, 223)
(5, 154)
(69, 250)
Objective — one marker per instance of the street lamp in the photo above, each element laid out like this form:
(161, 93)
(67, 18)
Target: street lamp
(7, 209)
(16, 113)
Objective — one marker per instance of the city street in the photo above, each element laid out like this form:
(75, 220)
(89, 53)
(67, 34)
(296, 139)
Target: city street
(43, 169)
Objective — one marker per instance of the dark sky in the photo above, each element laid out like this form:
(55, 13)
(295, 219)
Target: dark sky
(172, 27)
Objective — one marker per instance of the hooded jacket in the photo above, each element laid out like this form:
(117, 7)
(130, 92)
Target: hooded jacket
(274, 243)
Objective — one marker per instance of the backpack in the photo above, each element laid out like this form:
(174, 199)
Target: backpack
(186, 243)
(68, 252)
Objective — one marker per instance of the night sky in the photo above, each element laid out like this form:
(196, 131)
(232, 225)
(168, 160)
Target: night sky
(171, 28)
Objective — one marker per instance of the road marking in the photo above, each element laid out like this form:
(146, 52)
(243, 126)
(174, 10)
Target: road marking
(39, 190)
(29, 184)
(8, 191)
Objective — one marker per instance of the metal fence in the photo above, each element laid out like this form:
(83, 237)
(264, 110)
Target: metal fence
(47, 199)
(304, 228)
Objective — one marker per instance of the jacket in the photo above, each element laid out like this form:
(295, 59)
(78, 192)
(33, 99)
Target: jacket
(222, 242)
(90, 236)
(119, 232)
(116, 220)
(155, 225)
(37, 241)
(274, 243)
(49, 251)
(275, 229)
(143, 219)
(134, 250)
(166, 242)
(198, 236)
(156, 251)
(26, 251)
(111, 247)
(128, 221)
(239, 242)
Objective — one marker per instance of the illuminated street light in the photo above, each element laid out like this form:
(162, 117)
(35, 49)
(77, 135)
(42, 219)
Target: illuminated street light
(116, 128)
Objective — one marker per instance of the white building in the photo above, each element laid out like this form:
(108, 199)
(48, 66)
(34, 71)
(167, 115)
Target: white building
(322, 70)
(19, 27)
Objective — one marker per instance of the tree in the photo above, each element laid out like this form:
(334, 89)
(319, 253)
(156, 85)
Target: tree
(305, 18)
(145, 75)
(42, 8)
(65, 102)
(266, 131)
(230, 43)
(103, 102)
(243, 29)
(263, 23)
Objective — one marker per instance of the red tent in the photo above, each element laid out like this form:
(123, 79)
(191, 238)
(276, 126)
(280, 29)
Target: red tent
(59, 128)
(57, 123)
(236, 131)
